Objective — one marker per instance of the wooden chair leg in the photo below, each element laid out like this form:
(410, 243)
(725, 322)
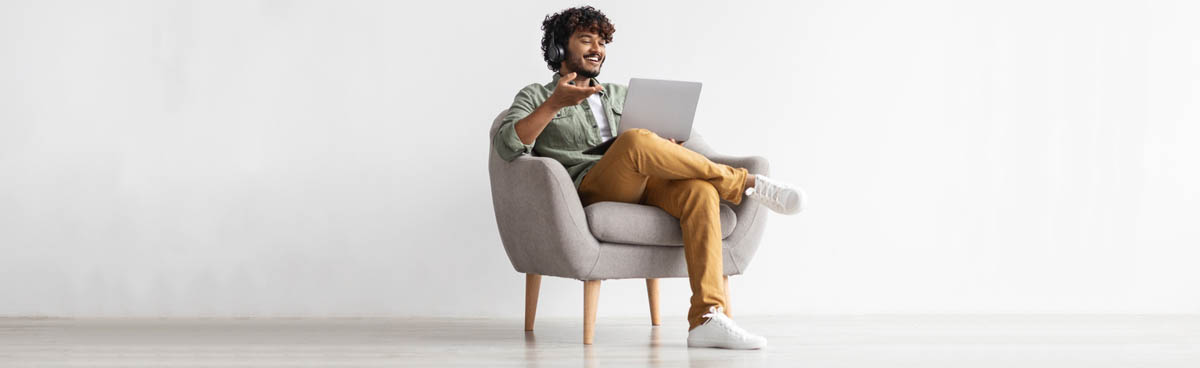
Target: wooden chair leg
(728, 299)
(652, 294)
(591, 298)
(533, 282)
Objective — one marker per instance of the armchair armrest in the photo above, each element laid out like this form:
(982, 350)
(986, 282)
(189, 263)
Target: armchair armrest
(754, 164)
(540, 216)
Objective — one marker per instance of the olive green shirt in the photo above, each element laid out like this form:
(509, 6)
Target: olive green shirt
(568, 134)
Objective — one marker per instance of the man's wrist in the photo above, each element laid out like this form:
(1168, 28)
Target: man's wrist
(552, 106)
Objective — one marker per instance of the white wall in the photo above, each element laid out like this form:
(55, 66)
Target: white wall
(328, 158)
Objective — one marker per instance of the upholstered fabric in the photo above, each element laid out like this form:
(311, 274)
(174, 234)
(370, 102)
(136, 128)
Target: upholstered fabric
(544, 228)
(639, 224)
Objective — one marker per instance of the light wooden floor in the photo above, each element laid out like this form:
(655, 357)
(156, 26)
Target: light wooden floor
(795, 341)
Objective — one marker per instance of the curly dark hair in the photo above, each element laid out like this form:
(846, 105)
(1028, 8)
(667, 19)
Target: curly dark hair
(562, 24)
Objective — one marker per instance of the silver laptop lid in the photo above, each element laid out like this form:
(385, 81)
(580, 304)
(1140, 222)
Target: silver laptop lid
(665, 107)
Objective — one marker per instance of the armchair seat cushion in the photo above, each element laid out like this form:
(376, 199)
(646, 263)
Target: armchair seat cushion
(640, 224)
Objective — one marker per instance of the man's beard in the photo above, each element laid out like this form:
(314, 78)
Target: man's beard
(581, 70)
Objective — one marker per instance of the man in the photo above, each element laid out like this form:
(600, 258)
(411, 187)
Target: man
(575, 111)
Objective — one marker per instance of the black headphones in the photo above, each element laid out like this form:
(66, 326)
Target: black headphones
(555, 51)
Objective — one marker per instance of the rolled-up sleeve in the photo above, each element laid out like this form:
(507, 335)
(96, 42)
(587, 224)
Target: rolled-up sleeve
(508, 144)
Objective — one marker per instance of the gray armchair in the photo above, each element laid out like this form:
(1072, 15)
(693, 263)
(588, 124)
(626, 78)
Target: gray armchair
(546, 230)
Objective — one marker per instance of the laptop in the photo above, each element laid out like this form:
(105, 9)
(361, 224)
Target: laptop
(665, 107)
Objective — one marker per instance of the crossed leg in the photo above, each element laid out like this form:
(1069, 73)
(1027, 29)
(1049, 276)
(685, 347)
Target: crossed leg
(639, 154)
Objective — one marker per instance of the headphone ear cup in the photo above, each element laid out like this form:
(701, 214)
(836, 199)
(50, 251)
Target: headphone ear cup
(557, 54)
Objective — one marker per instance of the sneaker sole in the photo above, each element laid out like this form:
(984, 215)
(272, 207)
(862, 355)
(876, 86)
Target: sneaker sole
(777, 208)
(720, 345)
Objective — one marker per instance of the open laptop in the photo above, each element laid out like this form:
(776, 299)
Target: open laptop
(665, 107)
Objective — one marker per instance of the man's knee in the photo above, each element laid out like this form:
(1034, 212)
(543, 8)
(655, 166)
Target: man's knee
(641, 131)
(635, 136)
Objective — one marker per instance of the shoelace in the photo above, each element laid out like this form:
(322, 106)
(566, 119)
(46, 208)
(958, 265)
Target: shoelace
(765, 190)
(717, 315)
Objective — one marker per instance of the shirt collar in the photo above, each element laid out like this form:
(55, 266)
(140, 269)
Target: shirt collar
(554, 83)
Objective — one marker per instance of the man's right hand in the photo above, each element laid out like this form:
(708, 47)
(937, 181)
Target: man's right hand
(567, 94)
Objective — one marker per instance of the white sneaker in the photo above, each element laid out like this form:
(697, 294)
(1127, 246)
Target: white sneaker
(779, 197)
(720, 332)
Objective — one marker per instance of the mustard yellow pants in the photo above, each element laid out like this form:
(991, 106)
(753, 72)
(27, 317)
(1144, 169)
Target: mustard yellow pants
(642, 167)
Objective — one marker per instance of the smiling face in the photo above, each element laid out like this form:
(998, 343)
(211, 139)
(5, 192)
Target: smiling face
(585, 54)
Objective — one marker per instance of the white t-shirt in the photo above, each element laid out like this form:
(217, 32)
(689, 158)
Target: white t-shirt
(597, 107)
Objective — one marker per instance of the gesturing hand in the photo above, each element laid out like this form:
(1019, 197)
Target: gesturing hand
(566, 94)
